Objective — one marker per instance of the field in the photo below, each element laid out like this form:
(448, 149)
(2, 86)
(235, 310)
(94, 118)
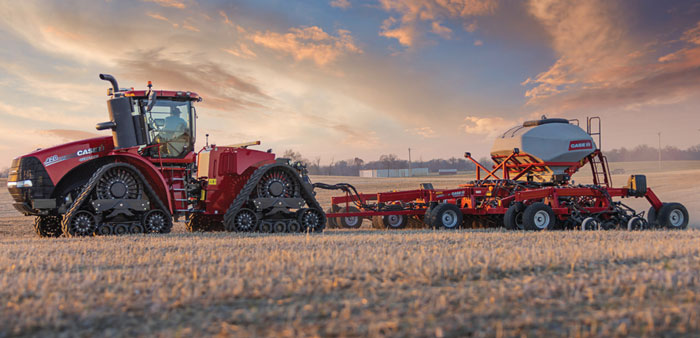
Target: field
(360, 282)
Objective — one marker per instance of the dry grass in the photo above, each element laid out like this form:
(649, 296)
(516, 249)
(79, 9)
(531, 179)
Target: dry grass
(350, 283)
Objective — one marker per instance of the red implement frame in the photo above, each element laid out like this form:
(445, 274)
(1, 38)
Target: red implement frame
(492, 194)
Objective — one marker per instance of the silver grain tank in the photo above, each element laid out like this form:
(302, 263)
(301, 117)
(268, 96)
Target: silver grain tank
(546, 140)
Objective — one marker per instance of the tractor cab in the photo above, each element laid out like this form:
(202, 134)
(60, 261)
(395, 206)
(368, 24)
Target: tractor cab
(162, 122)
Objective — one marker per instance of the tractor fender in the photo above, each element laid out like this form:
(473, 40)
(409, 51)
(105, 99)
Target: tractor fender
(150, 172)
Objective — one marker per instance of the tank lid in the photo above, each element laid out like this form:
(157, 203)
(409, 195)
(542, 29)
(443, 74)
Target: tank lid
(544, 120)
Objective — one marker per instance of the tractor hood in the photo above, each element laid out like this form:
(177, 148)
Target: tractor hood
(58, 160)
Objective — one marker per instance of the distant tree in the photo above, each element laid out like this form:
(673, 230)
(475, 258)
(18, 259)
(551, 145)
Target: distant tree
(293, 155)
(4, 172)
(389, 161)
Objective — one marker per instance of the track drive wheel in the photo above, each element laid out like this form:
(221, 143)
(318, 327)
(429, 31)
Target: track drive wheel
(513, 218)
(48, 226)
(673, 216)
(245, 221)
(157, 221)
(83, 224)
(539, 216)
(311, 220)
(352, 222)
(446, 216)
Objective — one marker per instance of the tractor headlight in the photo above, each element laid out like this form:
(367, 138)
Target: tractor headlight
(19, 184)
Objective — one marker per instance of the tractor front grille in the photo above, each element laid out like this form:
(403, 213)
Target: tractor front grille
(29, 168)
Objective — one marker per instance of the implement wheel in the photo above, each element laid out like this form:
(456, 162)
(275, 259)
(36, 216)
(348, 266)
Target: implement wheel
(539, 216)
(351, 222)
(513, 218)
(446, 216)
(673, 216)
(395, 221)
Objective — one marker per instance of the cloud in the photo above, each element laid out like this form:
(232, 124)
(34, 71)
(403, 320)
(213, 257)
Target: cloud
(413, 12)
(425, 132)
(441, 30)
(344, 4)
(309, 43)
(406, 35)
(601, 64)
(478, 43)
(241, 51)
(489, 126)
(220, 88)
(169, 3)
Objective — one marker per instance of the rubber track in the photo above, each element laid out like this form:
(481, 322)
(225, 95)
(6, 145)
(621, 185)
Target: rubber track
(90, 187)
(252, 182)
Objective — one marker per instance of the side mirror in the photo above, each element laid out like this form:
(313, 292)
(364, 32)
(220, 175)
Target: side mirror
(151, 101)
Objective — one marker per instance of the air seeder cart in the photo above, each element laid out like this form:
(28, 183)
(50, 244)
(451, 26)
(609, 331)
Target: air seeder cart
(528, 188)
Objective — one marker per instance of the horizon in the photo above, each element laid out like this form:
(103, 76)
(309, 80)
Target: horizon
(340, 79)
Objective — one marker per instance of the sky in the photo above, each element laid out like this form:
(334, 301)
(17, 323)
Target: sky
(337, 79)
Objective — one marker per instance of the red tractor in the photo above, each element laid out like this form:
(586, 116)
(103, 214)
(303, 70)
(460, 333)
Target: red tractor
(148, 172)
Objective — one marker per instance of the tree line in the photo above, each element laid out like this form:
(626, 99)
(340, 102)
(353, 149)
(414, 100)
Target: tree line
(647, 153)
(352, 166)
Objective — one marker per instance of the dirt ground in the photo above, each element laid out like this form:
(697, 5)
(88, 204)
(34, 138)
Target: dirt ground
(359, 282)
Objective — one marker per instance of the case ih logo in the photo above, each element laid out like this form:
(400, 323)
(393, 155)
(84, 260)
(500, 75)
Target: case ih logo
(82, 152)
(578, 145)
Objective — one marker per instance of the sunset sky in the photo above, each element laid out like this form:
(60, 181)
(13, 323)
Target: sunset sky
(343, 78)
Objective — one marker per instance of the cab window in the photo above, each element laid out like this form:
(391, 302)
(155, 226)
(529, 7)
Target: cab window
(169, 126)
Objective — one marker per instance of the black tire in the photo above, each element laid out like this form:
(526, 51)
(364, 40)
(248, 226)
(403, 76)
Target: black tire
(311, 220)
(121, 229)
(294, 226)
(590, 224)
(332, 222)
(539, 216)
(245, 221)
(350, 222)
(157, 221)
(265, 227)
(673, 216)
(446, 216)
(105, 230)
(651, 218)
(48, 226)
(394, 222)
(279, 227)
(83, 223)
(513, 218)
(136, 228)
(636, 223)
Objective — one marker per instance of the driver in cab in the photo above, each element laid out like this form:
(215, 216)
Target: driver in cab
(174, 133)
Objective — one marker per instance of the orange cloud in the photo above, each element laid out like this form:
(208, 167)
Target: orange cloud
(441, 30)
(600, 65)
(433, 11)
(310, 43)
(490, 126)
(406, 35)
(168, 3)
